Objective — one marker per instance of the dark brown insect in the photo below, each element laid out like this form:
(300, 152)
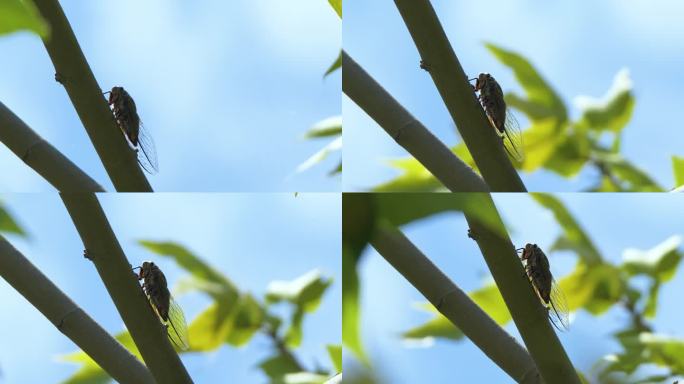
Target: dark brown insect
(126, 116)
(170, 313)
(539, 272)
(492, 99)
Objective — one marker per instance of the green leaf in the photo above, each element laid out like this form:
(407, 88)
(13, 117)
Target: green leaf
(596, 288)
(613, 111)
(569, 156)
(214, 282)
(403, 208)
(278, 366)
(90, 372)
(647, 348)
(540, 142)
(678, 169)
(248, 320)
(16, 15)
(337, 6)
(337, 170)
(321, 155)
(8, 224)
(335, 353)
(213, 327)
(660, 262)
(331, 126)
(335, 66)
(574, 237)
(538, 91)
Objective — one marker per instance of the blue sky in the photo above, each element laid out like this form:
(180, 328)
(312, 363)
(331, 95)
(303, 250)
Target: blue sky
(226, 88)
(615, 222)
(577, 46)
(253, 239)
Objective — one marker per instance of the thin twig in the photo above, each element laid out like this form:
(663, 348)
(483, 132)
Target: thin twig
(38, 154)
(279, 344)
(407, 131)
(71, 320)
(73, 72)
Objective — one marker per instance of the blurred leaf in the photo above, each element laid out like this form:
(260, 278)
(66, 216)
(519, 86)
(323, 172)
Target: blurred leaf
(540, 142)
(488, 298)
(335, 353)
(248, 320)
(331, 126)
(195, 266)
(613, 111)
(8, 224)
(278, 366)
(625, 171)
(402, 208)
(16, 15)
(90, 372)
(536, 112)
(647, 348)
(213, 327)
(335, 66)
(415, 178)
(358, 222)
(574, 238)
(337, 6)
(659, 262)
(678, 169)
(321, 155)
(595, 288)
(302, 378)
(538, 91)
(570, 155)
(337, 170)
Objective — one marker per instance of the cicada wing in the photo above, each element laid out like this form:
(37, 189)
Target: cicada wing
(148, 158)
(177, 328)
(513, 141)
(558, 313)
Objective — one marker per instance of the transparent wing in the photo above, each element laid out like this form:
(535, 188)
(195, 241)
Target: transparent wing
(148, 158)
(177, 328)
(558, 313)
(513, 142)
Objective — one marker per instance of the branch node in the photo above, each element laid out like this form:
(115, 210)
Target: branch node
(440, 302)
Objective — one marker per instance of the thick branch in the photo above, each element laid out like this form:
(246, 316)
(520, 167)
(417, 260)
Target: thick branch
(114, 269)
(455, 305)
(452, 83)
(73, 72)
(71, 320)
(407, 131)
(530, 317)
(43, 157)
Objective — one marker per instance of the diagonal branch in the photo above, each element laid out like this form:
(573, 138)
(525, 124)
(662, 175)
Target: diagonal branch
(119, 160)
(407, 131)
(455, 305)
(38, 154)
(530, 317)
(71, 320)
(452, 83)
(115, 271)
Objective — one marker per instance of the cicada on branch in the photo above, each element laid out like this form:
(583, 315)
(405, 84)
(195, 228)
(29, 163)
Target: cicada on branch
(539, 272)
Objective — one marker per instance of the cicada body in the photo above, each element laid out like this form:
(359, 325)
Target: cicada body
(169, 312)
(539, 272)
(126, 116)
(492, 99)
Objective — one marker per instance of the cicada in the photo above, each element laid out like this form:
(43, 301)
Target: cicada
(492, 99)
(539, 273)
(126, 116)
(163, 304)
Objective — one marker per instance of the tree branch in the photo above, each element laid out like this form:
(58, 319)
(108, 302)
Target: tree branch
(282, 348)
(455, 305)
(114, 269)
(407, 131)
(452, 83)
(43, 157)
(529, 315)
(69, 319)
(119, 160)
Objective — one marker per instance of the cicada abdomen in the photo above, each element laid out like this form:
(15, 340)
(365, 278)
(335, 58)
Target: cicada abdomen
(126, 116)
(163, 304)
(492, 99)
(539, 272)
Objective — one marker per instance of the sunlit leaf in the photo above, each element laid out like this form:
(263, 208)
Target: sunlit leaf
(278, 366)
(321, 155)
(21, 15)
(247, 321)
(660, 262)
(337, 6)
(90, 372)
(213, 326)
(540, 142)
(574, 238)
(678, 169)
(335, 353)
(8, 224)
(613, 111)
(538, 91)
(335, 66)
(331, 126)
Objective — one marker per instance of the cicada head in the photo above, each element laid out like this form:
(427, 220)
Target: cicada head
(482, 80)
(116, 94)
